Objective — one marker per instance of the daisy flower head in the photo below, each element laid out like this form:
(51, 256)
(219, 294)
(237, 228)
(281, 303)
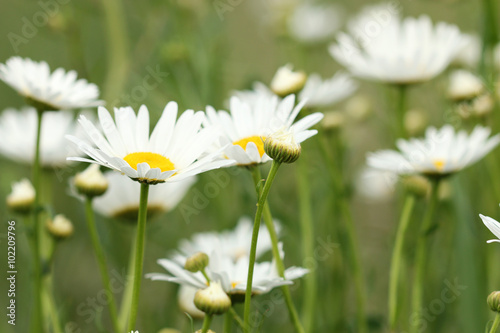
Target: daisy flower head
(231, 274)
(312, 23)
(50, 91)
(18, 139)
(397, 51)
(440, 153)
(320, 93)
(494, 227)
(175, 150)
(121, 200)
(246, 127)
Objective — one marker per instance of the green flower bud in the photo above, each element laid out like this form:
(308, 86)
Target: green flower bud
(212, 300)
(91, 182)
(196, 262)
(22, 197)
(494, 301)
(60, 226)
(281, 147)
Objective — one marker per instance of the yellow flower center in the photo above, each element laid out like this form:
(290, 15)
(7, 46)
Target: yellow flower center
(234, 284)
(258, 140)
(439, 164)
(153, 159)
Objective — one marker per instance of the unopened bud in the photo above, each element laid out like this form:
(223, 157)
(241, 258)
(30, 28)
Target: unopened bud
(22, 197)
(212, 300)
(196, 262)
(60, 226)
(418, 185)
(494, 301)
(91, 182)
(281, 147)
(286, 81)
(464, 86)
(483, 105)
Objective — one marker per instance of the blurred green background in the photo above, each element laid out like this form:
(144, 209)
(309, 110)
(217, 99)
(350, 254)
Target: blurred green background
(117, 44)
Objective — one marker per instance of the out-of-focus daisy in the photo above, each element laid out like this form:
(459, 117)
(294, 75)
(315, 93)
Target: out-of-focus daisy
(231, 274)
(313, 23)
(247, 126)
(18, 139)
(52, 91)
(22, 197)
(252, 96)
(286, 81)
(232, 243)
(173, 151)
(320, 93)
(464, 85)
(441, 152)
(376, 185)
(494, 227)
(399, 52)
(470, 53)
(121, 200)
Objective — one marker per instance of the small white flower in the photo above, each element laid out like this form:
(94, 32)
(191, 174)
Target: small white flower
(320, 93)
(400, 52)
(464, 85)
(122, 197)
(18, 139)
(22, 195)
(286, 81)
(441, 152)
(57, 90)
(174, 151)
(494, 227)
(245, 129)
(313, 23)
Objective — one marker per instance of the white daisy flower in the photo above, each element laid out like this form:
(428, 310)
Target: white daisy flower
(441, 152)
(313, 23)
(401, 52)
(172, 152)
(232, 275)
(18, 139)
(57, 90)
(252, 96)
(323, 93)
(247, 126)
(494, 227)
(121, 200)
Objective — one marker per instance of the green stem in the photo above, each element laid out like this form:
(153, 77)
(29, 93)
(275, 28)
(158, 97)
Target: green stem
(48, 300)
(401, 111)
(139, 254)
(118, 62)
(228, 322)
(397, 256)
(38, 322)
(255, 234)
(236, 318)
(352, 244)
(490, 38)
(421, 254)
(496, 324)
(206, 323)
(268, 220)
(306, 226)
(126, 300)
(101, 260)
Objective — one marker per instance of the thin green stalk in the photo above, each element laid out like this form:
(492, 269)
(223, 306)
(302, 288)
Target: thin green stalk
(352, 244)
(38, 322)
(139, 254)
(421, 255)
(236, 318)
(496, 324)
(126, 300)
(48, 300)
(206, 323)
(397, 256)
(101, 260)
(490, 38)
(228, 322)
(255, 234)
(268, 220)
(306, 226)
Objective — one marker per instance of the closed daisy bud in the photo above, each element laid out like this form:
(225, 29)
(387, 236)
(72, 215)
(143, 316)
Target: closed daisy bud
(416, 184)
(60, 226)
(483, 105)
(281, 147)
(494, 301)
(91, 182)
(464, 86)
(286, 81)
(196, 262)
(212, 300)
(21, 198)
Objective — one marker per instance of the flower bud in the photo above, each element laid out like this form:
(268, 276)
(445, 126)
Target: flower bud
(185, 297)
(196, 262)
(494, 301)
(281, 147)
(212, 300)
(91, 182)
(418, 185)
(286, 81)
(22, 197)
(60, 226)
(483, 105)
(464, 86)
